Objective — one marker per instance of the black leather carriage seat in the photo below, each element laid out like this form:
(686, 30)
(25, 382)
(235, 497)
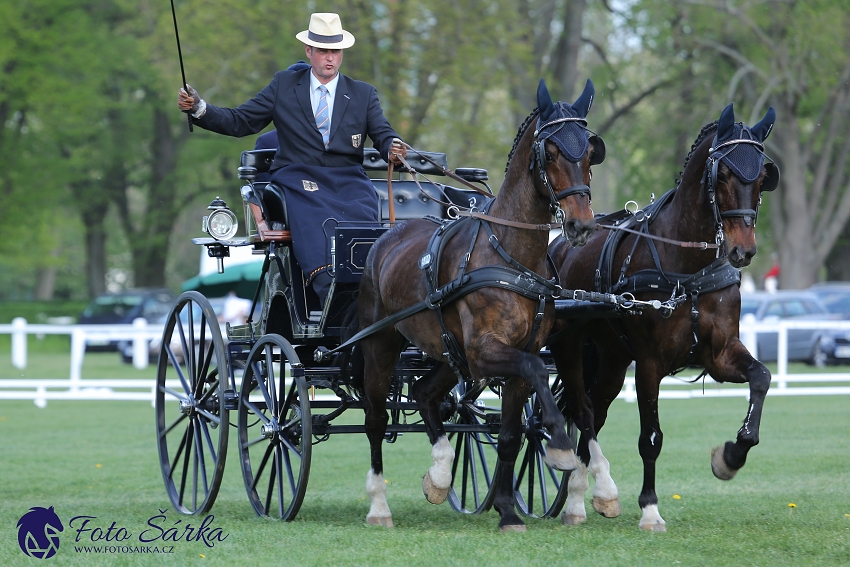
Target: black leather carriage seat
(409, 201)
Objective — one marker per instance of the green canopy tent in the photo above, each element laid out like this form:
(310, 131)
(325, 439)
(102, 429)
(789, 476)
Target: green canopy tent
(241, 278)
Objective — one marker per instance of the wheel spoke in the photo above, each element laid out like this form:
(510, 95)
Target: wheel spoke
(258, 412)
(262, 466)
(166, 431)
(208, 439)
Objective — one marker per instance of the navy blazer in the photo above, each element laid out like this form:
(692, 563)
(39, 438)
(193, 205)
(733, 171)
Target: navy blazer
(285, 101)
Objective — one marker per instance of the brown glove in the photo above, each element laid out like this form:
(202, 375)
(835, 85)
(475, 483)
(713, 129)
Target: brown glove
(190, 102)
(398, 148)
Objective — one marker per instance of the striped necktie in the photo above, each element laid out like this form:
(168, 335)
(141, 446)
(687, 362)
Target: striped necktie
(323, 120)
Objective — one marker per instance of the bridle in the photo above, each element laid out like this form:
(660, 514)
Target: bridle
(538, 159)
(709, 181)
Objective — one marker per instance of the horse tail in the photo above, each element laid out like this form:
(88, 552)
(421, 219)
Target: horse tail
(351, 361)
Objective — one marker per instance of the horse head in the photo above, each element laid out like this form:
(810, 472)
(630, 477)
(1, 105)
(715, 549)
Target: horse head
(735, 176)
(563, 152)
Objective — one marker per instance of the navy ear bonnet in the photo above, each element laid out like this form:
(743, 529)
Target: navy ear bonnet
(564, 123)
(740, 146)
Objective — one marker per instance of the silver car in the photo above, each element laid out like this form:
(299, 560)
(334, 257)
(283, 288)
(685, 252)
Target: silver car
(786, 304)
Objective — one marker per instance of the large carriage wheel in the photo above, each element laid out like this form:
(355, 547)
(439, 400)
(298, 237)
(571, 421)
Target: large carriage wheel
(191, 418)
(475, 458)
(275, 429)
(540, 491)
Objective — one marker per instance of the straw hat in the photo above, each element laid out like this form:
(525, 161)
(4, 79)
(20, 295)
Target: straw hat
(326, 32)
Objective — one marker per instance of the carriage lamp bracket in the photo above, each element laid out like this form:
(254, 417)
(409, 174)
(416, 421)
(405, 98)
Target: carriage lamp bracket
(219, 252)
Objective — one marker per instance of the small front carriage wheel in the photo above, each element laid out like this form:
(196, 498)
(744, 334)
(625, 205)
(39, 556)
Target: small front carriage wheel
(540, 490)
(191, 418)
(474, 444)
(275, 429)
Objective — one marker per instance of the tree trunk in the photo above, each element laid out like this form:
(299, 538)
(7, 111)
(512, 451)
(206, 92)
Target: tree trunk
(95, 234)
(790, 215)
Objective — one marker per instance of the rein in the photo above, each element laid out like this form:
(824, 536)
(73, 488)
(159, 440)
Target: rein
(682, 243)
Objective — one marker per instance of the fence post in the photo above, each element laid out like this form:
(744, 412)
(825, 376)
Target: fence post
(19, 342)
(140, 343)
(782, 355)
(78, 351)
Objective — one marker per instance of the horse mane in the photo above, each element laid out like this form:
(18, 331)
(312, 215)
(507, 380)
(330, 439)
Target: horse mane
(709, 128)
(519, 134)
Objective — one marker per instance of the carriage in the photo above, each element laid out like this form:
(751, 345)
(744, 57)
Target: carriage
(288, 373)
(287, 388)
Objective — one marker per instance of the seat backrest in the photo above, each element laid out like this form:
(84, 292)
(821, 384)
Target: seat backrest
(372, 161)
(410, 203)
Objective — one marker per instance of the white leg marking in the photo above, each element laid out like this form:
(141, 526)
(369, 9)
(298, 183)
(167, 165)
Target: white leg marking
(574, 513)
(651, 520)
(606, 498)
(443, 455)
(379, 511)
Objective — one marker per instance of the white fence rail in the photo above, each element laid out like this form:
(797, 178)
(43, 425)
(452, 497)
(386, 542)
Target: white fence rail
(141, 333)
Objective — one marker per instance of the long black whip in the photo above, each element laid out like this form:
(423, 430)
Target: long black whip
(180, 55)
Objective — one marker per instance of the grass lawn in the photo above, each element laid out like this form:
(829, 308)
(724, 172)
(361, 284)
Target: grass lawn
(99, 459)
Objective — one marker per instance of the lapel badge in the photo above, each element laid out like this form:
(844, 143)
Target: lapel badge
(355, 140)
(309, 185)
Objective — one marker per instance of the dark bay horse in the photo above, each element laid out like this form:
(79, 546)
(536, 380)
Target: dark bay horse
(715, 204)
(496, 330)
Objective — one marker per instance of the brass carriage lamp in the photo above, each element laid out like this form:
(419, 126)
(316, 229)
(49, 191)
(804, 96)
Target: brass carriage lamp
(221, 223)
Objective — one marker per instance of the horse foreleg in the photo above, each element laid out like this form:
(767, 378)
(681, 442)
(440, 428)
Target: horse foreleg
(429, 392)
(726, 462)
(514, 397)
(500, 359)
(606, 498)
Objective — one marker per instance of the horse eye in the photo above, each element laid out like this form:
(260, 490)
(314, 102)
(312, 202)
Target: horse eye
(549, 157)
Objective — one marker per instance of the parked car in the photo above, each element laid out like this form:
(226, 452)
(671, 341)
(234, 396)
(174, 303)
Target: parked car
(834, 346)
(126, 347)
(122, 308)
(786, 304)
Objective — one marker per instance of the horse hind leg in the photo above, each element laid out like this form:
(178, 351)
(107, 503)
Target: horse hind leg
(378, 368)
(577, 484)
(379, 511)
(438, 479)
(429, 392)
(606, 499)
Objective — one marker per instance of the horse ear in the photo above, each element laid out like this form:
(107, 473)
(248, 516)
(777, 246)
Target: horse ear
(726, 124)
(583, 102)
(762, 130)
(544, 100)
(771, 180)
(598, 155)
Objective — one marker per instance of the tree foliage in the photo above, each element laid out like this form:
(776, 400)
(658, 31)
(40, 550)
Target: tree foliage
(98, 171)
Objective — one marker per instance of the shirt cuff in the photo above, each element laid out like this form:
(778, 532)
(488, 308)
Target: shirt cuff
(202, 108)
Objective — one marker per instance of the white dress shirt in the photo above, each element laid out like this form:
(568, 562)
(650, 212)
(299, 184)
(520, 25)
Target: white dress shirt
(316, 94)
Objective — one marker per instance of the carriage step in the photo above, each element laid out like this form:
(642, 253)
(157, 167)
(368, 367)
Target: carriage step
(231, 400)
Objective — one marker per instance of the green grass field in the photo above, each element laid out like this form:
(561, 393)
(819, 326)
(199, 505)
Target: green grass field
(99, 459)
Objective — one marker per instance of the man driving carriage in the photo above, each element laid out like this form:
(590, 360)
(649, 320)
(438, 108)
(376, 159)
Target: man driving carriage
(322, 118)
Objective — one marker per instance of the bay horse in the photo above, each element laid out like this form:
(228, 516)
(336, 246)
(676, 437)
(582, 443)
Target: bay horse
(495, 328)
(689, 245)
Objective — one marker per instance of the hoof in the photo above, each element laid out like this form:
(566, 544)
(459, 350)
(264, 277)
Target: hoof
(718, 465)
(560, 459)
(433, 494)
(513, 528)
(607, 508)
(572, 519)
(654, 527)
(385, 521)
